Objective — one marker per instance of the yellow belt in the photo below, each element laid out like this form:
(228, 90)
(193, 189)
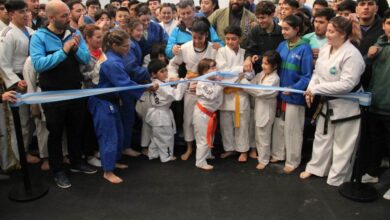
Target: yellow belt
(230, 90)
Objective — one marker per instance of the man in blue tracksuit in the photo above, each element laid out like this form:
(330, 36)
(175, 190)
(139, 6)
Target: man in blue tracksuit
(56, 53)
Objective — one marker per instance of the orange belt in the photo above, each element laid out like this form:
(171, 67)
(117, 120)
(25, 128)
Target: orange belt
(191, 75)
(230, 90)
(211, 125)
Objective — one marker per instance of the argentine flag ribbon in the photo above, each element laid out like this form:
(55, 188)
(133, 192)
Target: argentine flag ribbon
(364, 98)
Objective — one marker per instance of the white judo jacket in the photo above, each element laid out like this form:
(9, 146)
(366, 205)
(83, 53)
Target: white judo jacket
(336, 74)
(160, 113)
(230, 61)
(191, 58)
(265, 100)
(14, 47)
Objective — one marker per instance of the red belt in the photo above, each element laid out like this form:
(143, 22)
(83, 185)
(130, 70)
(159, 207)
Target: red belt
(211, 125)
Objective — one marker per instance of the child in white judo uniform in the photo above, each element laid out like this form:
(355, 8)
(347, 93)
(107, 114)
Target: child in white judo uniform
(265, 105)
(209, 99)
(190, 54)
(235, 109)
(159, 116)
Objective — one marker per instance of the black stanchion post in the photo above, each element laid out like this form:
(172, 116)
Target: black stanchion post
(356, 190)
(28, 191)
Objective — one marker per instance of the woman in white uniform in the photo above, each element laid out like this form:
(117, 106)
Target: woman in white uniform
(337, 71)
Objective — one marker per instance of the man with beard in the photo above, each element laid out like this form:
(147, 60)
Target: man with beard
(56, 54)
(235, 15)
(76, 11)
(33, 7)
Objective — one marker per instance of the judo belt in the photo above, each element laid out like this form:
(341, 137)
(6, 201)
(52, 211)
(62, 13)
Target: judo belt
(236, 91)
(329, 112)
(281, 109)
(114, 99)
(211, 125)
(191, 75)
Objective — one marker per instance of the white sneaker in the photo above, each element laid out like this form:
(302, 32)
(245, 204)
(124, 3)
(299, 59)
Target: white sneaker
(366, 178)
(97, 155)
(387, 195)
(385, 163)
(94, 162)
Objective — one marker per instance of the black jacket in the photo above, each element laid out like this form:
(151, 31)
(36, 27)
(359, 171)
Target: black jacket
(259, 41)
(369, 38)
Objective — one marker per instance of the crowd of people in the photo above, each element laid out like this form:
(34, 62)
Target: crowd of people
(324, 49)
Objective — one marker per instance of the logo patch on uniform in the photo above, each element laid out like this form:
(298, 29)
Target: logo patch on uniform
(333, 70)
(296, 56)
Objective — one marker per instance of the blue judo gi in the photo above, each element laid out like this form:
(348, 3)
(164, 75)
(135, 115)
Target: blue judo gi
(140, 75)
(156, 34)
(105, 109)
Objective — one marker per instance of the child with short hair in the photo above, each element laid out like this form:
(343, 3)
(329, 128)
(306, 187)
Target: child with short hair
(235, 109)
(209, 99)
(265, 105)
(159, 116)
(345, 8)
(122, 16)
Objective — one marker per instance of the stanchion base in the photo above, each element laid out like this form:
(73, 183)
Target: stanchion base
(20, 194)
(358, 192)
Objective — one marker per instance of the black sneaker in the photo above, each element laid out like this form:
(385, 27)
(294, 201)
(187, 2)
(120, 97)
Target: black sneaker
(62, 180)
(83, 168)
(4, 177)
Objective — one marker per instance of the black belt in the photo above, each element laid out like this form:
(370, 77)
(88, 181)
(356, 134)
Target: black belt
(329, 112)
(20, 75)
(114, 99)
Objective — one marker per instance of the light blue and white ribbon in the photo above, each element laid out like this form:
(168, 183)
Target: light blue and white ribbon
(364, 98)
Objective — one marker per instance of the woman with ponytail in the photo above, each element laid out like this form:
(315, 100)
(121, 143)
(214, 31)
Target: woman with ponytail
(105, 108)
(295, 73)
(338, 70)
